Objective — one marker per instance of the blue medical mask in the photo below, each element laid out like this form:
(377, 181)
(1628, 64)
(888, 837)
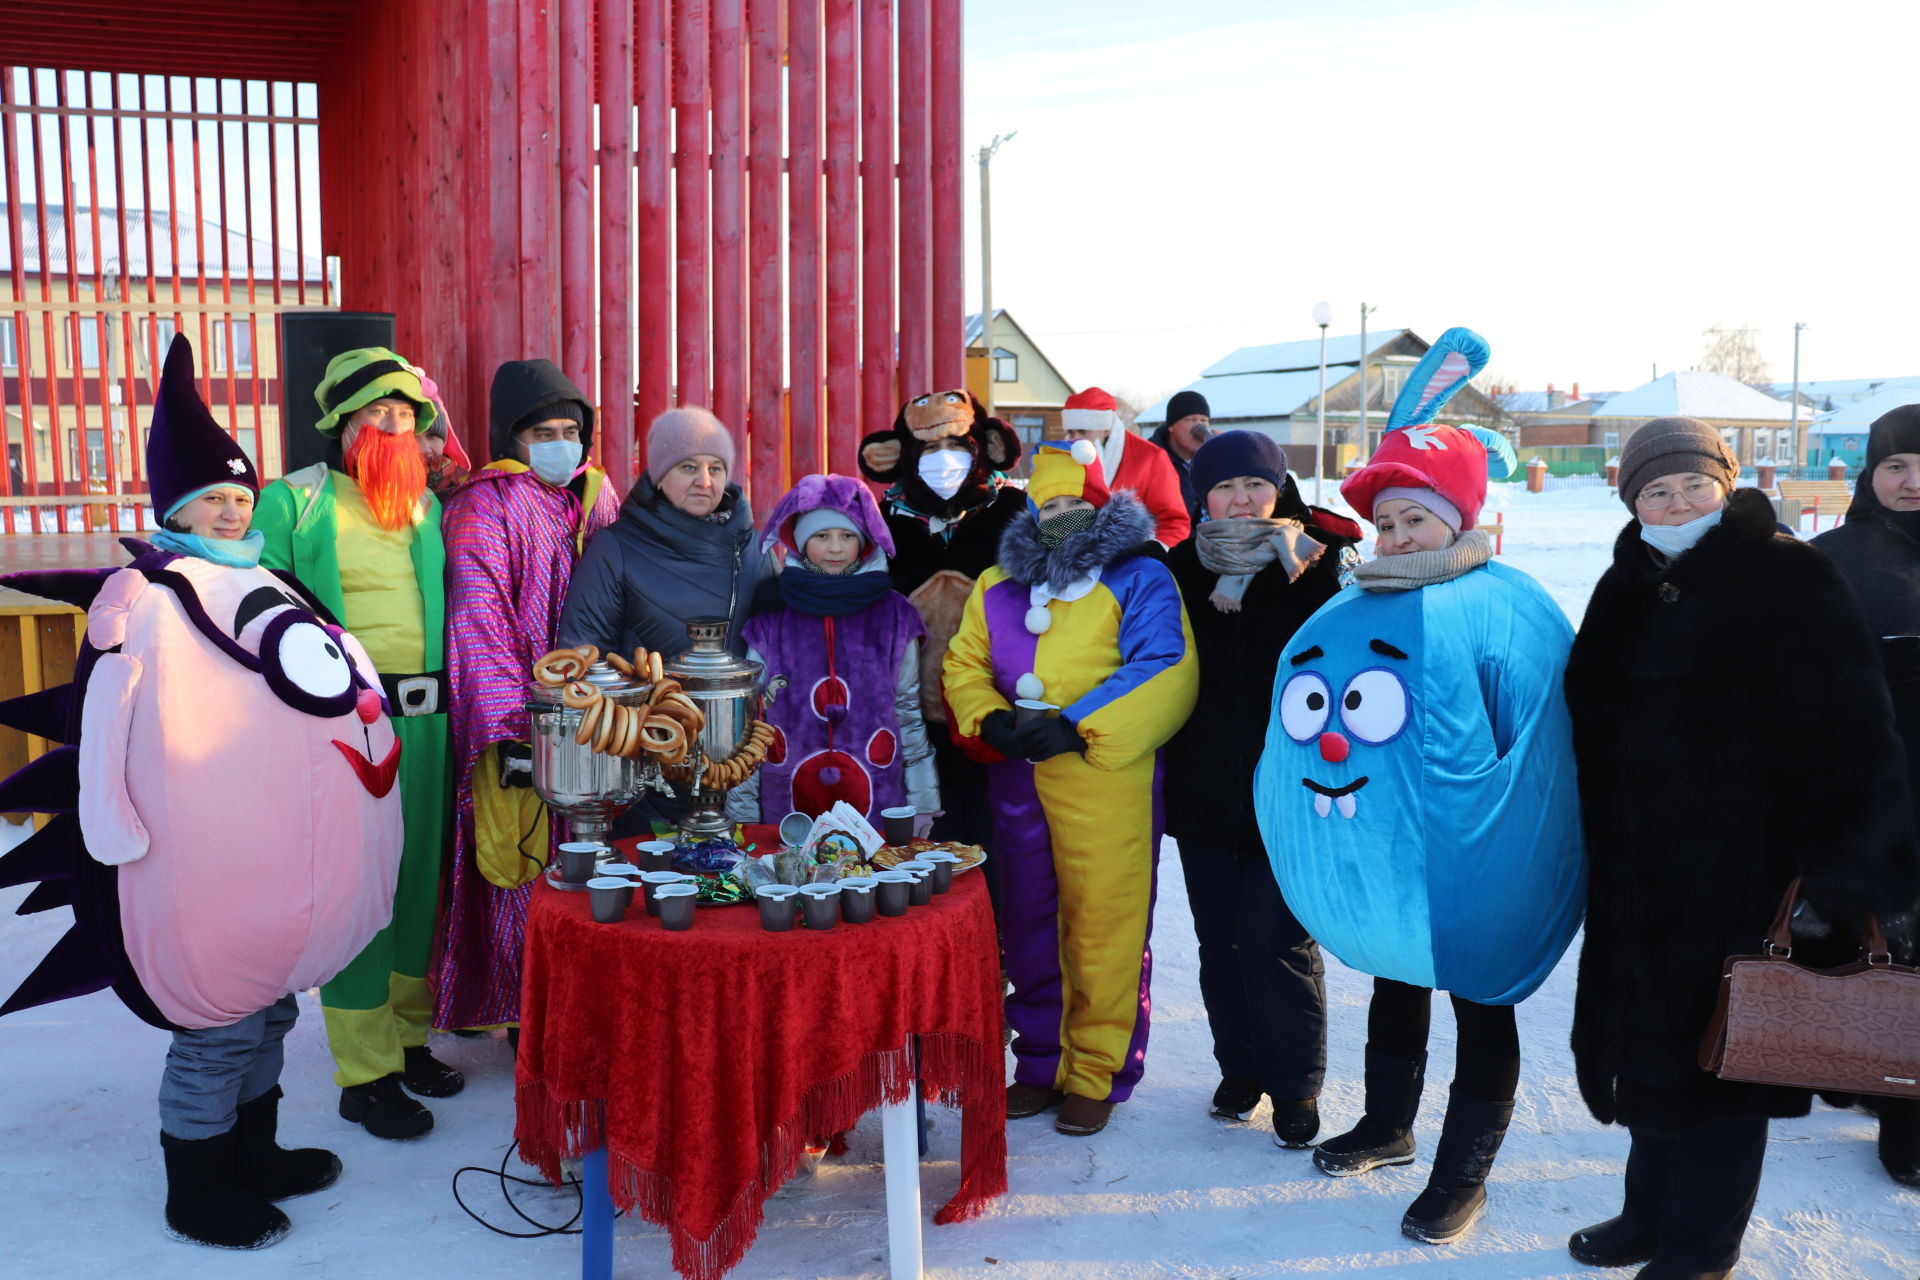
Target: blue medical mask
(1673, 539)
(555, 461)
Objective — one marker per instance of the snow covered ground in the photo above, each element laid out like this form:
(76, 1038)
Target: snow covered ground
(1164, 1192)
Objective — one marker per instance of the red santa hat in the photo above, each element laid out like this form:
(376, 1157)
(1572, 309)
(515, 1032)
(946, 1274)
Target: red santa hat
(1089, 410)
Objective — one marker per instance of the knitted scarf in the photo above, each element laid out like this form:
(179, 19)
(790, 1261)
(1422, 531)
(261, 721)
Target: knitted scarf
(1419, 569)
(1238, 549)
(805, 589)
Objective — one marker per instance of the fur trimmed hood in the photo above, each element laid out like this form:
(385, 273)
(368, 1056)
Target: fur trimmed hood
(1121, 529)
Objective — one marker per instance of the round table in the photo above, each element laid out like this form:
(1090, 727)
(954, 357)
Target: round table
(695, 1067)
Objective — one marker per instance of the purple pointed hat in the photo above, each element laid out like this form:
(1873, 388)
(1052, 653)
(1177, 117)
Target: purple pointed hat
(843, 495)
(188, 451)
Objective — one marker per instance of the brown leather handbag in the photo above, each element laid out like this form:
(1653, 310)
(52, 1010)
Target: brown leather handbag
(1852, 1029)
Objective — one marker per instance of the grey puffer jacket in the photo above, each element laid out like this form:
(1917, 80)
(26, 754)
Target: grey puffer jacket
(643, 576)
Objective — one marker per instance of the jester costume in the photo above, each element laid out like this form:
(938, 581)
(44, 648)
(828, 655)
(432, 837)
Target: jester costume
(1094, 626)
(385, 585)
(226, 828)
(512, 540)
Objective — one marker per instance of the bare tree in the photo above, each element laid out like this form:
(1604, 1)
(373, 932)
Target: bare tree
(1733, 352)
(1129, 405)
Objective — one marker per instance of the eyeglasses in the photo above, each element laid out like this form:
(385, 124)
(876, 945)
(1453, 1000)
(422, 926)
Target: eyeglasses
(1698, 492)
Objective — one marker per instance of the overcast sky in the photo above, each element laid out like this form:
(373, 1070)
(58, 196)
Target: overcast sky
(1590, 185)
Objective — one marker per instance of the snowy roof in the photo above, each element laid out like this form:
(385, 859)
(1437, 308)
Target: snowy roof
(1283, 357)
(1841, 390)
(1858, 415)
(227, 250)
(1526, 401)
(1693, 394)
(1254, 395)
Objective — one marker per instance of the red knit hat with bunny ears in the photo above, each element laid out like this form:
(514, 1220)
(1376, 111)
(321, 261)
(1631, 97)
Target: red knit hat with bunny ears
(1449, 461)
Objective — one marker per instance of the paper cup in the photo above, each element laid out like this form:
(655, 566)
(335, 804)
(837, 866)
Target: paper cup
(892, 891)
(651, 882)
(675, 903)
(820, 905)
(856, 899)
(1028, 710)
(609, 896)
(577, 862)
(794, 828)
(897, 824)
(922, 873)
(654, 855)
(944, 865)
(776, 906)
(625, 870)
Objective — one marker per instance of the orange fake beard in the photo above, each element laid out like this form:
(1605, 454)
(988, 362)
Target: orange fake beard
(391, 473)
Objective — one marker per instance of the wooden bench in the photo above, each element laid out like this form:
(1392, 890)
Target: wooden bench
(1816, 496)
(1498, 529)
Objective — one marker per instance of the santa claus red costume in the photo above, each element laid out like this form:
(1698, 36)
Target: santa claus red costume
(1130, 462)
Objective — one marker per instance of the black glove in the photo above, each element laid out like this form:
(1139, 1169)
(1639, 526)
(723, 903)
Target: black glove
(516, 764)
(998, 731)
(1047, 738)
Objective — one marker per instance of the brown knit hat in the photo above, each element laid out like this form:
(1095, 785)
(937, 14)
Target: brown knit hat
(1671, 446)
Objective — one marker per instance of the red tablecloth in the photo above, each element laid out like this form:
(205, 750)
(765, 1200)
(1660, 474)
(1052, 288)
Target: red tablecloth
(704, 1061)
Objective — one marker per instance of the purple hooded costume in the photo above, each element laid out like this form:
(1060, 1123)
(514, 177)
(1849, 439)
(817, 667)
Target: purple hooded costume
(512, 541)
(843, 674)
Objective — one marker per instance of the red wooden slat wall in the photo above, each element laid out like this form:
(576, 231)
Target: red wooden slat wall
(770, 224)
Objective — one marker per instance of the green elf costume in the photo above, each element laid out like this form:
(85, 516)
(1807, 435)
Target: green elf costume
(387, 586)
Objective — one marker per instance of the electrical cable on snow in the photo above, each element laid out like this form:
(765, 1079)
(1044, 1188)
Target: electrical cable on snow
(506, 1193)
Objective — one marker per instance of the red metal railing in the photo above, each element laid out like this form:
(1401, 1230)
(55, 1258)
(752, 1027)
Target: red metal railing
(137, 207)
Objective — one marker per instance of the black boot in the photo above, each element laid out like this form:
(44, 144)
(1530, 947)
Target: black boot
(206, 1205)
(1456, 1193)
(1384, 1135)
(429, 1077)
(1662, 1270)
(1900, 1140)
(267, 1167)
(1633, 1235)
(1236, 1098)
(1713, 1176)
(1296, 1121)
(384, 1109)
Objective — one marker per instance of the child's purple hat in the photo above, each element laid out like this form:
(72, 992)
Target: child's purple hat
(843, 495)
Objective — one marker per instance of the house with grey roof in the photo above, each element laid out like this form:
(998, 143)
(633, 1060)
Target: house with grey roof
(1028, 391)
(1842, 432)
(1274, 388)
(1753, 423)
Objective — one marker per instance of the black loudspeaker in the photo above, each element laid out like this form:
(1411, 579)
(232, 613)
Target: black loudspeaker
(308, 339)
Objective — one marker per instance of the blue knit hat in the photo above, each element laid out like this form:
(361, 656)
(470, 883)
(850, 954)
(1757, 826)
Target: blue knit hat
(1237, 453)
(187, 451)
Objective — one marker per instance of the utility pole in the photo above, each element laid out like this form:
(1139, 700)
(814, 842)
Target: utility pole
(1322, 316)
(1366, 442)
(1799, 448)
(986, 259)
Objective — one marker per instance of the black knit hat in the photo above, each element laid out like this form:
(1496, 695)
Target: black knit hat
(1184, 403)
(1895, 431)
(187, 451)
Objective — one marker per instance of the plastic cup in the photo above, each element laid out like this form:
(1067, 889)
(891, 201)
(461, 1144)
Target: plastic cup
(794, 828)
(897, 824)
(856, 899)
(654, 855)
(651, 882)
(577, 862)
(820, 905)
(1028, 710)
(625, 870)
(944, 865)
(776, 906)
(675, 903)
(609, 896)
(922, 873)
(892, 891)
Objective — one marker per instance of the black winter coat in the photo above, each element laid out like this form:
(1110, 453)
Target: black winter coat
(970, 547)
(1880, 561)
(1208, 783)
(1732, 729)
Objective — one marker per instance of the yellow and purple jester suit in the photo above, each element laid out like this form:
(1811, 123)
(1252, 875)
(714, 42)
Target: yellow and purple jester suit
(1096, 627)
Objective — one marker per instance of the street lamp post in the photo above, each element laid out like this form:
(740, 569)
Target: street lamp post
(1322, 316)
(1799, 448)
(1366, 441)
(986, 260)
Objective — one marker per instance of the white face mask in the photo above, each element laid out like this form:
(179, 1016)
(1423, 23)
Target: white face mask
(555, 461)
(945, 470)
(1673, 539)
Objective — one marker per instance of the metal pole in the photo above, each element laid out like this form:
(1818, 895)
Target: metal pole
(1320, 411)
(1366, 443)
(1799, 448)
(986, 268)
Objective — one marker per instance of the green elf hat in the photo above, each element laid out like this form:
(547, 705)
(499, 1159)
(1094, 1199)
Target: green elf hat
(355, 379)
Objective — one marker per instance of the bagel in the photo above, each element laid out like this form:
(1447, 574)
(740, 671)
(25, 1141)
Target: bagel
(621, 744)
(588, 653)
(579, 695)
(619, 664)
(558, 667)
(640, 661)
(590, 723)
(656, 669)
(609, 721)
(665, 738)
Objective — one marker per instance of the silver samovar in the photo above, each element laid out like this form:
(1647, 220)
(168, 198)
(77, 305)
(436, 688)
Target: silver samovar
(590, 788)
(728, 690)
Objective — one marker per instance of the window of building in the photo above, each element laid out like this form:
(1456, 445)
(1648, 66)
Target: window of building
(1783, 444)
(1006, 365)
(1610, 440)
(86, 354)
(156, 335)
(242, 337)
(9, 344)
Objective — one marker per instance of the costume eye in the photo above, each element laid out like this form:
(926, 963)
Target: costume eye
(922, 400)
(314, 660)
(953, 397)
(1374, 706)
(1305, 704)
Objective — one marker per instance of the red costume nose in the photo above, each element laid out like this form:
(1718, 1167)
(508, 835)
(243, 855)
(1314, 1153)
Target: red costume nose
(368, 705)
(1334, 747)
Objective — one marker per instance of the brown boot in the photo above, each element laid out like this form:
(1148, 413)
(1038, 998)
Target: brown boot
(1025, 1100)
(1082, 1117)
